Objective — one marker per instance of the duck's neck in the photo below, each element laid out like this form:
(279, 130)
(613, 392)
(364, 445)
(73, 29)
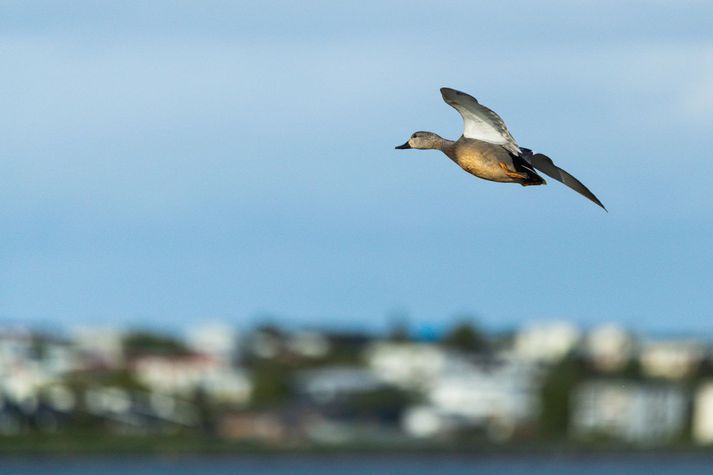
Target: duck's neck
(446, 146)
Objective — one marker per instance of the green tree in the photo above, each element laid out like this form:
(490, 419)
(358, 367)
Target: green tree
(464, 336)
(142, 342)
(271, 383)
(555, 396)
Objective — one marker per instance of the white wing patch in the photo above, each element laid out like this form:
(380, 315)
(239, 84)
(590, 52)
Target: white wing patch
(479, 122)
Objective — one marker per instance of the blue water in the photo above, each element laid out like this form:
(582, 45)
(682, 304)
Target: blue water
(363, 464)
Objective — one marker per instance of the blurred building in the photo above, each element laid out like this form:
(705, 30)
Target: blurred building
(670, 359)
(702, 424)
(329, 384)
(218, 340)
(352, 388)
(495, 397)
(28, 364)
(308, 344)
(609, 347)
(16, 346)
(99, 346)
(185, 375)
(546, 342)
(628, 411)
(410, 365)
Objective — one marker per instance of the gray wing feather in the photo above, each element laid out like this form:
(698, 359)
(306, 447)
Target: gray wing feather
(479, 122)
(544, 164)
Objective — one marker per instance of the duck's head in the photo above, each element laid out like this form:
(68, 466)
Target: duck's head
(423, 141)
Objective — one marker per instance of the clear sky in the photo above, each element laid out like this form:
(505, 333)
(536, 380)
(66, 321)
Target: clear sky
(167, 162)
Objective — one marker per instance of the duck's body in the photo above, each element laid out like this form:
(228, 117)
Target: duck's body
(480, 159)
(487, 150)
(490, 162)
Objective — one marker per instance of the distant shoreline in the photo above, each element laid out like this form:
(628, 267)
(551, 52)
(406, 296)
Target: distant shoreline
(101, 445)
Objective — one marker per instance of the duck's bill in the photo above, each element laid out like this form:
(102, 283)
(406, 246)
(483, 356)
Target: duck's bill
(401, 147)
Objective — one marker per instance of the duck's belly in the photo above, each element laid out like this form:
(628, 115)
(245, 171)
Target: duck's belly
(486, 168)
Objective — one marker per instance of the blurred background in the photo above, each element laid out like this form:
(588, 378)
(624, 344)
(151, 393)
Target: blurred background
(208, 235)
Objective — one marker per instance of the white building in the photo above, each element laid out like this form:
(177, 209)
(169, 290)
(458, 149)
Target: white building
(424, 421)
(670, 359)
(216, 339)
(498, 398)
(634, 412)
(609, 347)
(328, 384)
(703, 414)
(24, 371)
(182, 375)
(101, 345)
(15, 347)
(23, 383)
(409, 365)
(546, 342)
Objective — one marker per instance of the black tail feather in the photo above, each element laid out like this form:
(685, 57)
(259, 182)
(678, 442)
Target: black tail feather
(544, 164)
(524, 166)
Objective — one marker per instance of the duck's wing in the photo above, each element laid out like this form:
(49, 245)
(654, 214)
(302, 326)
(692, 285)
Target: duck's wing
(479, 122)
(545, 164)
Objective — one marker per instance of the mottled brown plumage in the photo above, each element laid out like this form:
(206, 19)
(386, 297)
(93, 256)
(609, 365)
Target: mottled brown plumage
(487, 161)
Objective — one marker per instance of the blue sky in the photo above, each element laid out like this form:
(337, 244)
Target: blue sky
(170, 162)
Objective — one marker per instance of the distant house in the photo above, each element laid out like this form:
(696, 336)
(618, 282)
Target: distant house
(99, 346)
(634, 412)
(608, 347)
(15, 347)
(23, 384)
(497, 398)
(332, 383)
(308, 344)
(670, 359)
(184, 374)
(59, 358)
(21, 373)
(216, 339)
(409, 365)
(424, 421)
(703, 414)
(546, 342)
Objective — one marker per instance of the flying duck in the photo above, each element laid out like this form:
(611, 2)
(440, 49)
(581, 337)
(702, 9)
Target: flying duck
(487, 150)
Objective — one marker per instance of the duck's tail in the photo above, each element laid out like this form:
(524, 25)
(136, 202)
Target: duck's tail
(545, 164)
(524, 166)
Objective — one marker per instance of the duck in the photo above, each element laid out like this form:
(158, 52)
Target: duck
(487, 150)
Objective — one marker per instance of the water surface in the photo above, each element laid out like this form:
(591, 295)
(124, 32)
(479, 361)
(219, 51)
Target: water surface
(362, 464)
